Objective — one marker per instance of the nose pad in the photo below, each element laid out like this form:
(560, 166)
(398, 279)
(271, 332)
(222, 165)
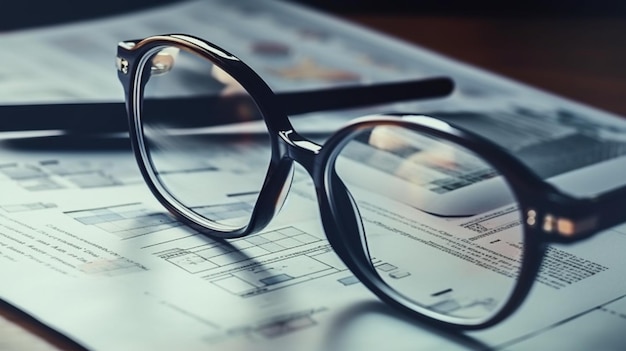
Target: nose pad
(163, 61)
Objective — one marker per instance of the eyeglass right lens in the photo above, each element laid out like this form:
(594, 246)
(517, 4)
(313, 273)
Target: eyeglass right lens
(441, 226)
(205, 144)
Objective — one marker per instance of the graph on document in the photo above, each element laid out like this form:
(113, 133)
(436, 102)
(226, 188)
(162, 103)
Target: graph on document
(55, 174)
(125, 221)
(256, 264)
(247, 266)
(28, 206)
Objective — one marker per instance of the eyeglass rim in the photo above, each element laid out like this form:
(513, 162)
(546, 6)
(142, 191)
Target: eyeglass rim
(131, 57)
(262, 95)
(342, 238)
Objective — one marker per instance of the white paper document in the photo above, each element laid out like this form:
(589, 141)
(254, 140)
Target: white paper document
(90, 253)
(87, 249)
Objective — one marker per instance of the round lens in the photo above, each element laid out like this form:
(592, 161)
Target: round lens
(440, 225)
(203, 138)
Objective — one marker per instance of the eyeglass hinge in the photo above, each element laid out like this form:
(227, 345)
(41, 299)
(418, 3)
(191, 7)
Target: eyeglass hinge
(122, 65)
(562, 226)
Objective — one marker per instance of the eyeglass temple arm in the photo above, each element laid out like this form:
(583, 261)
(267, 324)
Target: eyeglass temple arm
(102, 117)
(582, 218)
(611, 208)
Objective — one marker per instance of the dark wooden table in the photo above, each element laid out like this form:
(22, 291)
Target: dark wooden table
(580, 58)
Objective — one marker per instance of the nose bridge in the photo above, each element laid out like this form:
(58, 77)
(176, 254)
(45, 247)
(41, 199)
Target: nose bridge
(300, 149)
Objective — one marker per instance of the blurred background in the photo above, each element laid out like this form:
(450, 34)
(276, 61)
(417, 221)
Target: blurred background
(574, 48)
(28, 13)
(476, 7)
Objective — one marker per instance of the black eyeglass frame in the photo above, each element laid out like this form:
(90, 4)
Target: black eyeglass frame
(548, 214)
(279, 106)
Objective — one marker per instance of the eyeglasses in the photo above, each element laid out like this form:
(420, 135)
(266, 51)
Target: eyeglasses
(404, 199)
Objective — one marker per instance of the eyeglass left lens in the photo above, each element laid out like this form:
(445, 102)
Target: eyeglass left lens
(203, 139)
(440, 225)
